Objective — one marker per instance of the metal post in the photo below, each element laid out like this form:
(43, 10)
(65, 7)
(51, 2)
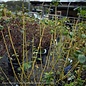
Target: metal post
(68, 9)
(29, 5)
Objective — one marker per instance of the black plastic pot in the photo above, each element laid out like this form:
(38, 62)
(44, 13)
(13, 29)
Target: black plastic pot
(42, 55)
(15, 65)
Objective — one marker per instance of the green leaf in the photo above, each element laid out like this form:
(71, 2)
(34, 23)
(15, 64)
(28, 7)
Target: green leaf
(71, 34)
(84, 66)
(65, 32)
(55, 2)
(39, 59)
(52, 31)
(2, 78)
(15, 55)
(1, 57)
(7, 21)
(78, 52)
(19, 69)
(27, 66)
(81, 58)
(45, 22)
(83, 36)
(34, 57)
(1, 27)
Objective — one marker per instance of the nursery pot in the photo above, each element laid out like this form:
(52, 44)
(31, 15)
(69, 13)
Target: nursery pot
(41, 55)
(15, 66)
